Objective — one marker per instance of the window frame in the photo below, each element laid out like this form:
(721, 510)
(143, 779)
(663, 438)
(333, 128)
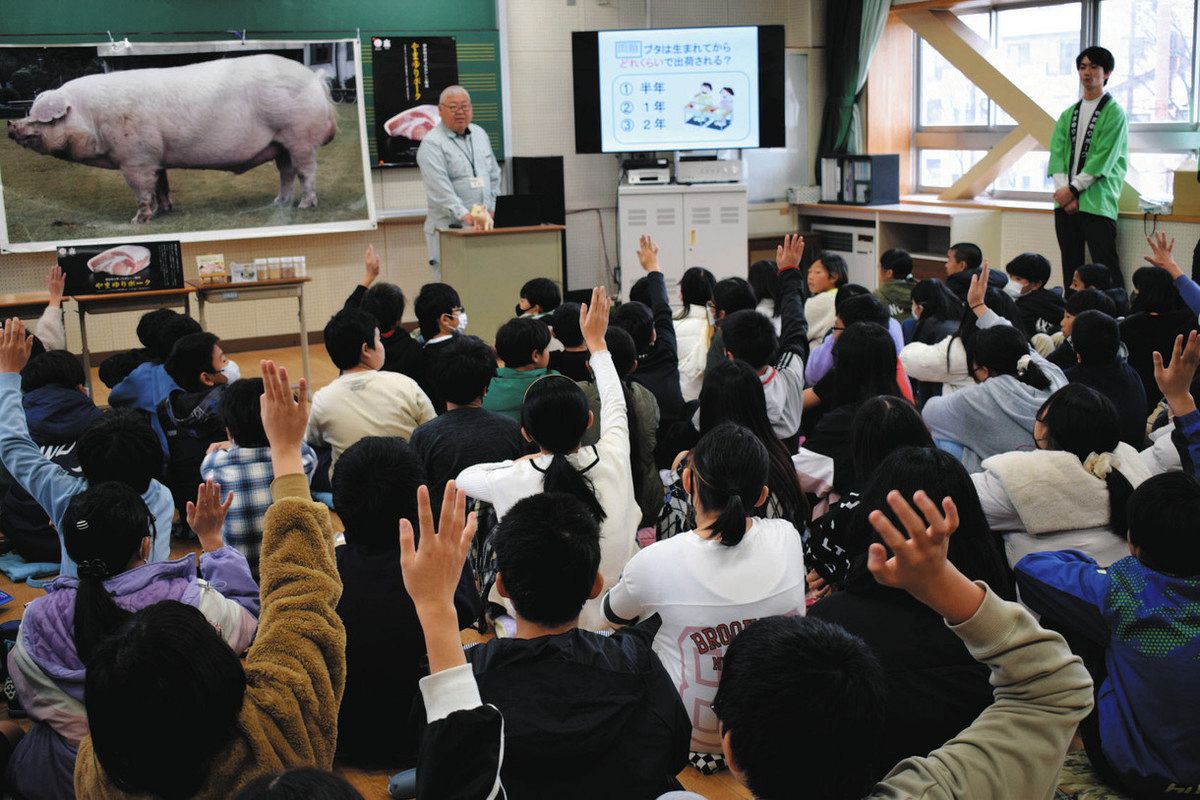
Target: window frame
(1144, 137)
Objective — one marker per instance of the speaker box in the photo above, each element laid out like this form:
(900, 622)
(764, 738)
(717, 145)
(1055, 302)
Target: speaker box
(542, 177)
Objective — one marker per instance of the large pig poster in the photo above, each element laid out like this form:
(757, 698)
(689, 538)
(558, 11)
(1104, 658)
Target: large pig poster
(120, 142)
(409, 73)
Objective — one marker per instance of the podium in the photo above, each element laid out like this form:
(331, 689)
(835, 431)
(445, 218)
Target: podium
(488, 269)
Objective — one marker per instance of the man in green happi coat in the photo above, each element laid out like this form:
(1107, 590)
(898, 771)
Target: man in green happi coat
(1088, 154)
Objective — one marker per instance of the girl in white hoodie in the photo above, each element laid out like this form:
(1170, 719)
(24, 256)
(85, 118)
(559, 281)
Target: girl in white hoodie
(693, 329)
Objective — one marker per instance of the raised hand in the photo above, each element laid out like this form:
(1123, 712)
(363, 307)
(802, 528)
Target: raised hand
(919, 562)
(206, 516)
(371, 266)
(56, 284)
(593, 320)
(431, 572)
(1175, 380)
(978, 290)
(284, 417)
(14, 346)
(788, 254)
(648, 253)
(1160, 254)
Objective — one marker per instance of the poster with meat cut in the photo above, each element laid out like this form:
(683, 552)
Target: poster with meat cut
(109, 268)
(195, 141)
(410, 73)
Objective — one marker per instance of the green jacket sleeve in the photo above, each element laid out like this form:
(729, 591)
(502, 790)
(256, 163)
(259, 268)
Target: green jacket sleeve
(1016, 747)
(1060, 144)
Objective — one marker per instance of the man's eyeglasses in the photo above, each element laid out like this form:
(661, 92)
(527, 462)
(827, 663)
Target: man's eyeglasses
(455, 108)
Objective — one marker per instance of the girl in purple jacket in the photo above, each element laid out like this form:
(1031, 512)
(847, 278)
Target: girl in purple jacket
(107, 531)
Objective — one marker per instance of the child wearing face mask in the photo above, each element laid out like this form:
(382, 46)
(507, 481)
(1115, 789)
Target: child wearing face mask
(188, 415)
(1041, 309)
(362, 401)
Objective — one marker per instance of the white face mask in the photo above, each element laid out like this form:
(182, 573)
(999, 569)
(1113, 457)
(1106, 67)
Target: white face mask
(1012, 289)
(462, 322)
(231, 371)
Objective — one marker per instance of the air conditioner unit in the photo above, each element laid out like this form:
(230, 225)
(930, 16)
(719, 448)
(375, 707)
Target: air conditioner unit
(857, 246)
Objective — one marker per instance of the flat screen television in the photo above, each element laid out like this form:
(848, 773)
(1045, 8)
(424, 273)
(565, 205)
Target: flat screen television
(658, 90)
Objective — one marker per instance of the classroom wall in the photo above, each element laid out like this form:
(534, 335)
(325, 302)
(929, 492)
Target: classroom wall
(540, 102)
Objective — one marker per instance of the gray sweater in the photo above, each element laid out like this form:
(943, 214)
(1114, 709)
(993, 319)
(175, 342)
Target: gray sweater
(992, 417)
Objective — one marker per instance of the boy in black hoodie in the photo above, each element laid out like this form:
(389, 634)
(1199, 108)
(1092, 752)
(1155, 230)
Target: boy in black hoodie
(189, 415)
(1041, 309)
(585, 715)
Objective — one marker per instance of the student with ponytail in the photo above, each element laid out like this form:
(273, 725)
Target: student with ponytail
(554, 417)
(1071, 492)
(107, 531)
(709, 583)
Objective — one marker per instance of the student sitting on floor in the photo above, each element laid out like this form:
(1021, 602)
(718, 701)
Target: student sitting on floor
(779, 362)
(385, 302)
(105, 530)
(934, 687)
(1135, 624)
(57, 412)
(188, 414)
(522, 344)
(708, 584)
(642, 410)
(964, 261)
(1099, 278)
(157, 331)
(693, 330)
(539, 297)
(229, 722)
(572, 359)
(1041, 309)
(243, 465)
(1063, 356)
(119, 446)
(764, 280)
(782, 670)
(554, 416)
(825, 276)
(466, 434)
(362, 401)
(375, 487)
(1069, 492)
(441, 317)
(148, 384)
(1158, 316)
(1096, 340)
(728, 296)
(653, 334)
(587, 716)
(895, 284)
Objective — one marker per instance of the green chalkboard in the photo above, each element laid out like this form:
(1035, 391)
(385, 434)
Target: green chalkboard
(471, 22)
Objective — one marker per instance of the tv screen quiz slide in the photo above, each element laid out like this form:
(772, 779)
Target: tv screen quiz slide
(680, 89)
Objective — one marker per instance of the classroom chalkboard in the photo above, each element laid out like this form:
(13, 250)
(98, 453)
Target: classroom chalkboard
(472, 23)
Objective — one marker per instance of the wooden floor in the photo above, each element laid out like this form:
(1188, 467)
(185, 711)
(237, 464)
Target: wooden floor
(371, 784)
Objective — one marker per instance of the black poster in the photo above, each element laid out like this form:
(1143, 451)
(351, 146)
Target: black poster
(112, 268)
(409, 74)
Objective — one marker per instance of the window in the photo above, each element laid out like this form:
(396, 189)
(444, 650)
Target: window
(946, 96)
(1041, 33)
(1153, 43)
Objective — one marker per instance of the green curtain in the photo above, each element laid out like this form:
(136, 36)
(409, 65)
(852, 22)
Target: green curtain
(852, 31)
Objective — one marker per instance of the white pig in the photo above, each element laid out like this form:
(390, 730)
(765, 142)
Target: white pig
(230, 114)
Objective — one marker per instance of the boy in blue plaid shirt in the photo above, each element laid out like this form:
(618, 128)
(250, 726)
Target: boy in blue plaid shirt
(243, 465)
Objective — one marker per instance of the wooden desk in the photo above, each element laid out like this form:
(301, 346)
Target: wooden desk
(124, 301)
(488, 269)
(257, 290)
(26, 305)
